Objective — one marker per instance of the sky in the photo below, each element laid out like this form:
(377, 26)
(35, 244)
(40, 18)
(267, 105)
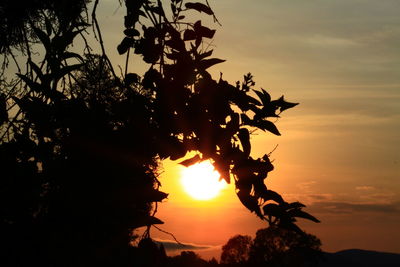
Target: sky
(339, 149)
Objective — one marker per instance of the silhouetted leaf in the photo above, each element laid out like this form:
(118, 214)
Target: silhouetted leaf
(147, 221)
(283, 104)
(36, 68)
(301, 214)
(267, 125)
(191, 161)
(125, 45)
(244, 137)
(67, 55)
(3, 109)
(199, 7)
(206, 63)
(43, 37)
(252, 100)
(249, 201)
(66, 70)
(154, 195)
(131, 32)
(245, 119)
(273, 210)
(189, 35)
(271, 195)
(61, 42)
(233, 125)
(204, 55)
(36, 87)
(202, 31)
(48, 26)
(295, 205)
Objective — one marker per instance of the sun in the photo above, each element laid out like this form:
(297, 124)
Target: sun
(201, 181)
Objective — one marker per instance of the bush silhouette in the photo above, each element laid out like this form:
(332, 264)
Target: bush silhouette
(236, 250)
(272, 246)
(80, 146)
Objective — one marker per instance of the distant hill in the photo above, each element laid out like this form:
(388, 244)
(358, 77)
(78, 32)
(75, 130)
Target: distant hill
(360, 258)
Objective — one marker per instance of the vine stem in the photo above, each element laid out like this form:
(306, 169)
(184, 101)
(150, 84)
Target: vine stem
(97, 27)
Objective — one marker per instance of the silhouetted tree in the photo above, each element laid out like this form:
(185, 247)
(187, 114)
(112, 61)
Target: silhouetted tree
(80, 146)
(237, 250)
(188, 258)
(275, 246)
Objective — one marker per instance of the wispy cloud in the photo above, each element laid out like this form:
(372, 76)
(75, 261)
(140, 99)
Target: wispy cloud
(365, 188)
(348, 207)
(173, 246)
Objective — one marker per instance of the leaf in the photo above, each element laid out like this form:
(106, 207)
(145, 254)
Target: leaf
(131, 32)
(67, 55)
(191, 161)
(189, 35)
(125, 45)
(244, 137)
(36, 68)
(199, 7)
(267, 125)
(245, 119)
(43, 37)
(206, 63)
(273, 210)
(202, 31)
(249, 201)
(48, 26)
(204, 55)
(252, 100)
(61, 42)
(271, 195)
(295, 205)
(146, 221)
(302, 214)
(283, 104)
(66, 70)
(3, 109)
(264, 96)
(155, 196)
(233, 125)
(36, 87)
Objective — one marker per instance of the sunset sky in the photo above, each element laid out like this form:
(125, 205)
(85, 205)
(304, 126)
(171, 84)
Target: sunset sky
(339, 152)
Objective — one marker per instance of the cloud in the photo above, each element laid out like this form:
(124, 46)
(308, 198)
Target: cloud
(349, 207)
(305, 186)
(308, 199)
(365, 188)
(173, 246)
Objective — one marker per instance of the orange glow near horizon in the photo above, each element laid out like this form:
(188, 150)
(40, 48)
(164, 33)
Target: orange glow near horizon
(201, 181)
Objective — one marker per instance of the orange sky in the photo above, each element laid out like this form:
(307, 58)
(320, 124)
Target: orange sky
(339, 149)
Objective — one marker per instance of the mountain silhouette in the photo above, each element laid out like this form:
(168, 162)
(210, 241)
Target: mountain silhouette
(361, 258)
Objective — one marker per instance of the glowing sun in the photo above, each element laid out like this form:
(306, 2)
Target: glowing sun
(201, 181)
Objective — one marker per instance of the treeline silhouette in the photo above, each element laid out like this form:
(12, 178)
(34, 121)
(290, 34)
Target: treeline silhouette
(272, 246)
(81, 147)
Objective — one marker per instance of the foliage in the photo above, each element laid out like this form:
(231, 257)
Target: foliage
(197, 113)
(272, 246)
(236, 250)
(80, 147)
(282, 247)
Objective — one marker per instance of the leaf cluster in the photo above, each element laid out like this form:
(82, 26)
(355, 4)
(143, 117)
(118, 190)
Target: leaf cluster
(194, 112)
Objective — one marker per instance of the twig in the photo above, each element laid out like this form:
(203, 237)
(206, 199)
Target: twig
(168, 233)
(269, 154)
